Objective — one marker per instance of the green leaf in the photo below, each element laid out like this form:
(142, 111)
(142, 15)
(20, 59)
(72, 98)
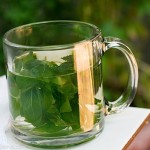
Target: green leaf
(31, 105)
(25, 83)
(52, 130)
(13, 88)
(72, 119)
(66, 67)
(59, 80)
(20, 61)
(14, 107)
(48, 100)
(68, 89)
(65, 107)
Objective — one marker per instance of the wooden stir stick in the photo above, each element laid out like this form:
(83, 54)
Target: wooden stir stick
(83, 64)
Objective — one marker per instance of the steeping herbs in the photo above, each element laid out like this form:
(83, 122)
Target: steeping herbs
(42, 93)
(45, 95)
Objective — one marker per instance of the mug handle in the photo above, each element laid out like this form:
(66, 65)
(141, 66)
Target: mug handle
(127, 96)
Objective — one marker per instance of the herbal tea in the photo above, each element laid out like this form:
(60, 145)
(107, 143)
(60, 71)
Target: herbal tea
(55, 82)
(44, 96)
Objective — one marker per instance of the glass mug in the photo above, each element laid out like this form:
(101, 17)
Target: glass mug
(54, 75)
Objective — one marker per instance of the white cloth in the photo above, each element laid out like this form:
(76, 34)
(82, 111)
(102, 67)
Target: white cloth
(119, 128)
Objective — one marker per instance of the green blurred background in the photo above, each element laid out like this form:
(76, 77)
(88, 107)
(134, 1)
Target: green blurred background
(126, 19)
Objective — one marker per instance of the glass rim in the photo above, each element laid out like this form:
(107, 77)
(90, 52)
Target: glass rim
(9, 43)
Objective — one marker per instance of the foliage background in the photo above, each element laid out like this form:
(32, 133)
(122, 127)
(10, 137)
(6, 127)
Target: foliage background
(126, 19)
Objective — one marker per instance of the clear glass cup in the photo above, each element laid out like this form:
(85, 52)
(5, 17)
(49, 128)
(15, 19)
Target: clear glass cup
(54, 75)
